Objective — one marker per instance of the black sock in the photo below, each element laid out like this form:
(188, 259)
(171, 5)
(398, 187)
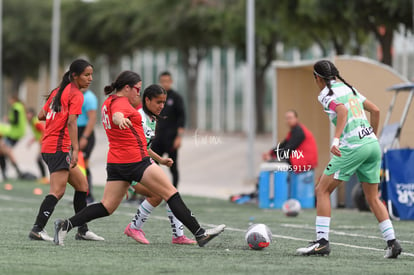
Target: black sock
(3, 166)
(182, 213)
(91, 212)
(89, 179)
(79, 202)
(41, 166)
(45, 211)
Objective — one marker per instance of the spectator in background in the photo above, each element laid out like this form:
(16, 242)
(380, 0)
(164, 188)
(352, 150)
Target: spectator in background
(17, 121)
(38, 129)
(299, 147)
(86, 135)
(171, 128)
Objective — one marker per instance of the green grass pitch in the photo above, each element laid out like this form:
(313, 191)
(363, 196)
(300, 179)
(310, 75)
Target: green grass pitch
(356, 246)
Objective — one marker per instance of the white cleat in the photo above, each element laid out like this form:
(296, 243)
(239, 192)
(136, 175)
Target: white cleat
(88, 236)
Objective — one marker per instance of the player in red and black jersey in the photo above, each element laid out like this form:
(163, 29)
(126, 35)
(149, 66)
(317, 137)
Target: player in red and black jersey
(128, 161)
(60, 148)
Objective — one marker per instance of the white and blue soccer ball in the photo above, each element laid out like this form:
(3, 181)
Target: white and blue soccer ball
(291, 208)
(258, 236)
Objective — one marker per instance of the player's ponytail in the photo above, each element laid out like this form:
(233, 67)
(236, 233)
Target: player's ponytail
(76, 68)
(123, 79)
(326, 70)
(150, 92)
(346, 83)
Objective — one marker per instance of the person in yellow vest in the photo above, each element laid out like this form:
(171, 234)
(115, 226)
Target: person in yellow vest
(17, 121)
(37, 128)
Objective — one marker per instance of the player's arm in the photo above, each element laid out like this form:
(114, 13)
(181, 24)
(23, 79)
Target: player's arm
(374, 114)
(164, 161)
(341, 119)
(73, 135)
(41, 115)
(120, 120)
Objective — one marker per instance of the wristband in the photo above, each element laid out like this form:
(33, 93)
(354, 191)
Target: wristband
(335, 142)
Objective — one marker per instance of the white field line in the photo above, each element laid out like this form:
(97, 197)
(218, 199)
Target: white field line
(340, 233)
(273, 235)
(129, 214)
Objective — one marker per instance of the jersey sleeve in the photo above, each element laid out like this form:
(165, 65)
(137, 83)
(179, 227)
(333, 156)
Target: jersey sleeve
(361, 98)
(90, 102)
(46, 106)
(75, 103)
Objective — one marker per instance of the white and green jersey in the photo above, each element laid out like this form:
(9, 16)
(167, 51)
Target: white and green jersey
(148, 124)
(357, 130)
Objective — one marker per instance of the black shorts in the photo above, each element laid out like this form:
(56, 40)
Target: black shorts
(57, 161)
(127, 171)
(91, 142)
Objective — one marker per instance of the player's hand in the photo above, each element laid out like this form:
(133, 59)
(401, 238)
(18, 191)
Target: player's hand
(177, 143)
(335, 147)
(83, 142)
(266, 156)
(335, 150)
(74, 159)
(167, 162)
(125, 124)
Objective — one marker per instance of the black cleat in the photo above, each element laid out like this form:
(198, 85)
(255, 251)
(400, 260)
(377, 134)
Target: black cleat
(209, 234)
(320, 247)
(393, 249)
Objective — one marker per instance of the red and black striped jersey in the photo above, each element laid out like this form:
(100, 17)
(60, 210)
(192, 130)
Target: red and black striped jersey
(128, 145)
(56, 134)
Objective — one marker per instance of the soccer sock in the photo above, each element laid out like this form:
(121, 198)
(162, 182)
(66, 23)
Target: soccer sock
(322, 227)
(176, 226)
(79, 202)
(182, 213)
(91, 212)
(45, 211)
(41, 166)
(143, 212)
(387, 230)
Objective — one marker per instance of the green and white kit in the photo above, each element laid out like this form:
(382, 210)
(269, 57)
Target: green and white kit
(148, 124)
(360, 151)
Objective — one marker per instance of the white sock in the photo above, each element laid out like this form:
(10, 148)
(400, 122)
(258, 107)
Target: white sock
(176, 225)
(322, 227)
(143, 212)
(387, 230)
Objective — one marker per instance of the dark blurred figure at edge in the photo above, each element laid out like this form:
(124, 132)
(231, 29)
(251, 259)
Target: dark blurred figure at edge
(171, 128)
(86, 135)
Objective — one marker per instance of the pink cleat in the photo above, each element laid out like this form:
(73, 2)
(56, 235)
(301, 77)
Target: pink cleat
(183, 240)
(136, 234)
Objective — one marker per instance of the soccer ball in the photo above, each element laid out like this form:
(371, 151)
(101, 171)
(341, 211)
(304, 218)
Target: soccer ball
(258, 236)
(291, 208)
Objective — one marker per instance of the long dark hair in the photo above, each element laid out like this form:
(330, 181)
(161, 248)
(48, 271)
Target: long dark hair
(76, 68)
(326, 70)
(125, 78)
(150, 92)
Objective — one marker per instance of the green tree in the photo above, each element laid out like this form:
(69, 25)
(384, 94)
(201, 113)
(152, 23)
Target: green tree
(191, 27)
(26, 38)
(101, 28)
(382, 18)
